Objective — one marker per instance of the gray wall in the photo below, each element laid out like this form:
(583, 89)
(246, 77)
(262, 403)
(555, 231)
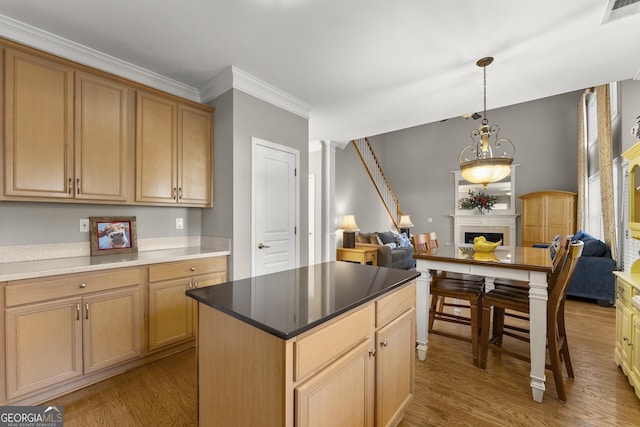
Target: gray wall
(238, 118)
(28, 223)
(417, 163)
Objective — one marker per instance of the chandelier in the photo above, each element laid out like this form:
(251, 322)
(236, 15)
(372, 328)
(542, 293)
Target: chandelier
(488, 158)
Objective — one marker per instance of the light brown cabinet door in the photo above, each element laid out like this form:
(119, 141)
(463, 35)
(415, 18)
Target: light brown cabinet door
(44, 345)
(112, 328)
(156, 149)
(202, 282)
(395, 369)
(170, 313)
(101, 139)
(339, 395)
(195, 144)
(38, 129)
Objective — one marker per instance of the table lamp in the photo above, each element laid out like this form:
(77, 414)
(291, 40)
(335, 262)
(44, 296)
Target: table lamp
(349, 228)
(405, 224)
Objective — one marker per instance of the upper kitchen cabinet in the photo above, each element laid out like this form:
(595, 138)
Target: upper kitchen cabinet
(38, 127)
(174, 149)
(66, 132)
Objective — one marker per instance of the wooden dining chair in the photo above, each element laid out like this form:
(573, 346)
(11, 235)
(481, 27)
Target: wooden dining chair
(499, 316)
(517, 299)
(420, 242)
(461, 287)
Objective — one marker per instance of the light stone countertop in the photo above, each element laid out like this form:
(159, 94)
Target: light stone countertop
(81, 264)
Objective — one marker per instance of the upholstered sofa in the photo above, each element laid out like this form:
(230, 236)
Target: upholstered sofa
(394, 250)
(593, 277)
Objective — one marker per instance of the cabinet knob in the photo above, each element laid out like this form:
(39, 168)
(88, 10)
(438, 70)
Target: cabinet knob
(384, 343)
(193, 269)
(372, 352)
(83, 285)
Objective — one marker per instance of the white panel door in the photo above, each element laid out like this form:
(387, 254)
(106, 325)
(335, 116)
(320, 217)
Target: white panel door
(275, 187)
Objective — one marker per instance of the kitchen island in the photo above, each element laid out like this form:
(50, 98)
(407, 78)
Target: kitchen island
(328, 344)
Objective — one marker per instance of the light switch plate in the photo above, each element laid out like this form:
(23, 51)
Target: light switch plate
(84, 225)
(179, 223)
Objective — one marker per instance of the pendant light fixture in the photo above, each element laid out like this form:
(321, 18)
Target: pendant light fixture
(488, 158)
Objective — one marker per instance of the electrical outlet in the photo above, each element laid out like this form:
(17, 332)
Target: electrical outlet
(429, 219)
(84, 225)
(179, 223)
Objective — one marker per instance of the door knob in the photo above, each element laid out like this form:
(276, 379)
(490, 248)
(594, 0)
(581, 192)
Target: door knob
(261, 246)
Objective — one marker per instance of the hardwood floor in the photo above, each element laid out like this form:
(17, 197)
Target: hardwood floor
(449, 390)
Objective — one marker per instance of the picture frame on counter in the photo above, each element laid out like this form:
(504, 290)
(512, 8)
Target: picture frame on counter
(113, 235)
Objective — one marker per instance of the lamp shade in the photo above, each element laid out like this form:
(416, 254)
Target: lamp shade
(485, 171)
(405, 222)
(349, 223)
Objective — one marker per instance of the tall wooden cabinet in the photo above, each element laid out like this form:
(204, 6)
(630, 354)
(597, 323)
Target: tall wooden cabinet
(545, 214)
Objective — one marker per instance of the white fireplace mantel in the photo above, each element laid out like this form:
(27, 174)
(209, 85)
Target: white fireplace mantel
(500, 220)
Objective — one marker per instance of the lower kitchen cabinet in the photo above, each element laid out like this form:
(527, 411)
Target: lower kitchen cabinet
(344, 389)
(395, 369)
(355, 370)
(172, 316)
(50, 342)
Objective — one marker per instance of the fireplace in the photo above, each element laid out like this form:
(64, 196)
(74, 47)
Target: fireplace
(491, 237)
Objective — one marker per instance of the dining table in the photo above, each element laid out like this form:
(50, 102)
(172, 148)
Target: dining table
(528, 264)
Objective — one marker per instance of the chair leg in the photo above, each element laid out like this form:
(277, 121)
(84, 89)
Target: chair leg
(564, 347)
(484, 335)
(441, 303)
(432, 312)
(554, 358)
(498, 325)
(475, 329)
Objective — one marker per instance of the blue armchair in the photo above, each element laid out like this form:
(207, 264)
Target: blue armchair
(593, 277)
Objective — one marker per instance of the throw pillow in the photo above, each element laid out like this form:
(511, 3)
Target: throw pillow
(363, 238)
(391, 245)
(594, 248)
(386, 237)
(403, 241)
(374, 239)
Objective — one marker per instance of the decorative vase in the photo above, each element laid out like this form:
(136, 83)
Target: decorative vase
(479, 211)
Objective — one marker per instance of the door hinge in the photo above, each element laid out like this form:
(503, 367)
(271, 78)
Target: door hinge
(295, 171)
(295, 229)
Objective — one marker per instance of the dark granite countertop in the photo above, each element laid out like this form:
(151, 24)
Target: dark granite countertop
(290, 302)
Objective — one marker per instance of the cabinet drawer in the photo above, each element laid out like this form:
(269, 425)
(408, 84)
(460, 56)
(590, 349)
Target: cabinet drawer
(624, 290)
(321, 347)
(174, 270)
(392, 306)
(34, 290)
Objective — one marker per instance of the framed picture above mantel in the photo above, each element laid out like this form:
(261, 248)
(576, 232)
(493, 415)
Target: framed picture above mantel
(113, 235)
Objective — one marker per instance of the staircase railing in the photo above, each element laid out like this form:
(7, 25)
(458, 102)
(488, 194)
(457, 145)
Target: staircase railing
(373, 168)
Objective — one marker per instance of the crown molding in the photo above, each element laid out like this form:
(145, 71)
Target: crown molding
(234, 77)
(51, 43)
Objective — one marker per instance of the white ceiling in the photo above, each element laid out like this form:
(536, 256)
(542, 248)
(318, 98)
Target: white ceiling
(363, 66)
